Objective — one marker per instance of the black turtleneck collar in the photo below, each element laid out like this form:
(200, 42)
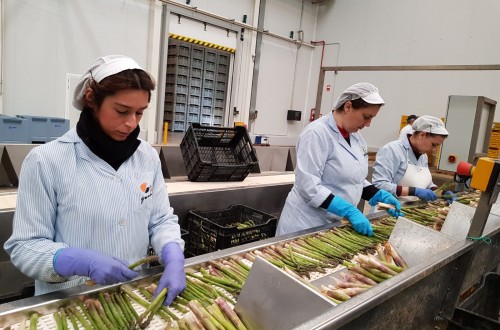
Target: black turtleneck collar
(115, 153)
(417, 154)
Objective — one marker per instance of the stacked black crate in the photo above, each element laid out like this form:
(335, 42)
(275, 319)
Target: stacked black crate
(220, 88)
(209, 67)
(195, 84)
(176, 87)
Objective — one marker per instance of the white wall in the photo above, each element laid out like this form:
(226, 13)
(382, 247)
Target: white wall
(48, 43)
(404, 32)
(45, 40)
(285, 71)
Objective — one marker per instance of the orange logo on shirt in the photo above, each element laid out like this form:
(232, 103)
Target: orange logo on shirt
(147, 190)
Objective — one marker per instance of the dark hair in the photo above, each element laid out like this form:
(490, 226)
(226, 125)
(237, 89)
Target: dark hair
(127, 79)
(410, 118)
(356, 104)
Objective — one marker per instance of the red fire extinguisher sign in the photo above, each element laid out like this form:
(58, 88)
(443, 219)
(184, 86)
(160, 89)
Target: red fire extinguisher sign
(328, 88)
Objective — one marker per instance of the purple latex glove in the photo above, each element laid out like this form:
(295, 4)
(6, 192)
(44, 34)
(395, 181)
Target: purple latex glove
(173, 277)
(101, 268)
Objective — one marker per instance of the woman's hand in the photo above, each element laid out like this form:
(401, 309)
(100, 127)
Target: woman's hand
(173, 277)
(425, 194)
(359, 222)
(383, 196)
(101, 268)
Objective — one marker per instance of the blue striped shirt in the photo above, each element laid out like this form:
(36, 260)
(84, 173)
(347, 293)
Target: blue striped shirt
(69, 197)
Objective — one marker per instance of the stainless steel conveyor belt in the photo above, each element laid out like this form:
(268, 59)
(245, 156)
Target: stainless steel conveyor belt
(409, 300)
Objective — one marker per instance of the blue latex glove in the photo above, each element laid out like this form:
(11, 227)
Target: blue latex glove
(359, 222)
(173, 277)
(101, 268)
(450, 196)
(383, 196)
(425, 194)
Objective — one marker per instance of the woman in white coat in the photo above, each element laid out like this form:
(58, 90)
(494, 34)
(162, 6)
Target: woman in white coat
(332, 166)
(401, 166)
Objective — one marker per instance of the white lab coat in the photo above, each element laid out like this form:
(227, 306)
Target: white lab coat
(391, 163)
(326, 164)
(405, 131)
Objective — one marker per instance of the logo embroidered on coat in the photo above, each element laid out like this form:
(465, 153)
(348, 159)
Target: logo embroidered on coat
(147, 191)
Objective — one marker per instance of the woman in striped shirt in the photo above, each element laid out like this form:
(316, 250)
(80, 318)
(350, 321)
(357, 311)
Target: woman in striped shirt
(91, 202)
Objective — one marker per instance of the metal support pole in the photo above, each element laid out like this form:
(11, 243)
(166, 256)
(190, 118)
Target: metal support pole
(319, 92)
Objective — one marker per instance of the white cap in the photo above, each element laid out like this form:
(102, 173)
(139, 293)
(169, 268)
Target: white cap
(429, 124)
(103, 67)
(363, 90)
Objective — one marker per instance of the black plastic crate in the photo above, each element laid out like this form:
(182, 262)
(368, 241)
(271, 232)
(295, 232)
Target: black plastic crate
(210, 231)
(217, 153)
(481, 310)
(184, 236)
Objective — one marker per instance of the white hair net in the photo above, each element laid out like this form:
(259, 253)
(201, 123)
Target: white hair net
(429, 124)
(363, 90)
(103, 67)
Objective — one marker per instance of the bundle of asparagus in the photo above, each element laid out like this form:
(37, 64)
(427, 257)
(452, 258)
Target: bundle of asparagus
(433, 214)
(365, 271)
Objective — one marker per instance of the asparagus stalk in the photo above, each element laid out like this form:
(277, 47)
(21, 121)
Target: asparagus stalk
(207, 320)
(192, 322)
(397, 258)
(220, 280)
(182, 324)
(162, 313)
(120, 305)
(363, 279)
(372, 262)
(84, 311)
(335, 293)
(34, 321)
(103, 316)
(230, 314)
(129, 305)
(227, 271)
(72, 319)
(86, 325)
(120, 321)
(215, 311)
(63, 318)
(57, 318)
(145, 260)
(362, 271)
(157, 302)
(108, 311)
(92, 311)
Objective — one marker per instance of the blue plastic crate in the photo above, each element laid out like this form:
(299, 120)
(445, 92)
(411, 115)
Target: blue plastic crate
(13, 130)
(38, 128)
(57, 127)
(44, 129)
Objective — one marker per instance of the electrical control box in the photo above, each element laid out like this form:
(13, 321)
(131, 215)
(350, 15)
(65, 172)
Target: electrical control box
(294, 115)
(469, 120)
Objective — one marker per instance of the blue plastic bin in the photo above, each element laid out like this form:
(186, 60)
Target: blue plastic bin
(37, 128)
(57, 127)
(13, 130)
(44, 129)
